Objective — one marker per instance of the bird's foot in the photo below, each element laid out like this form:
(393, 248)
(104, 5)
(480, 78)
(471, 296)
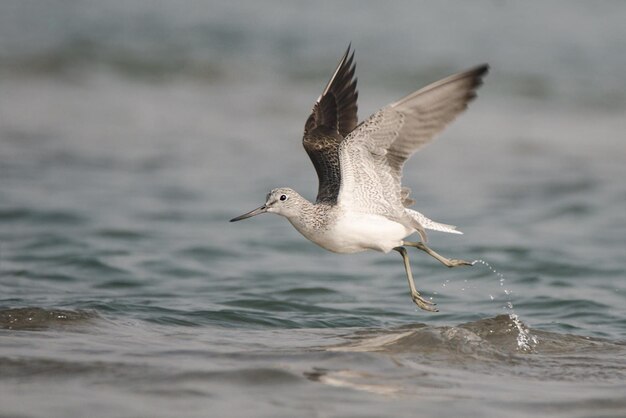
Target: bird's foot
(455, 262)
(423, 303)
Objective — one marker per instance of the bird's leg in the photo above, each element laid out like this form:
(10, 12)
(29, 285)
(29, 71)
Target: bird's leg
(415, 295)
(448, 262)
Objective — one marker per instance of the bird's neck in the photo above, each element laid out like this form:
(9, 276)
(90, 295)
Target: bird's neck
(311, 217)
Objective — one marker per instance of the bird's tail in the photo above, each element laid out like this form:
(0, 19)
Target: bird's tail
(430, 224)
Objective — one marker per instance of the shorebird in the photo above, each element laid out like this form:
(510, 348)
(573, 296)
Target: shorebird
(361, 204)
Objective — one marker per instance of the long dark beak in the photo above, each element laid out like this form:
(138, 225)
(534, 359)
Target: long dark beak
(250, 214)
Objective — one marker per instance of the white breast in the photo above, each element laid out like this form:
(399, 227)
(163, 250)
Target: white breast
(355, 232)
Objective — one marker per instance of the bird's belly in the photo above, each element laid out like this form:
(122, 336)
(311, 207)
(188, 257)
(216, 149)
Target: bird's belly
(356, 232)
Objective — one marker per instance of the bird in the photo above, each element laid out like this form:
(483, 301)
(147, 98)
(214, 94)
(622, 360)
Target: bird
(361, 204)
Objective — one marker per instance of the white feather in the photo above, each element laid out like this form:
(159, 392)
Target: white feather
(432, 225)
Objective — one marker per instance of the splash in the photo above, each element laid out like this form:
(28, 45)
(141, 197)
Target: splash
(525, 340)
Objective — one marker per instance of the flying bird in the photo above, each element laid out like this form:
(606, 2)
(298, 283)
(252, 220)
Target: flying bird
(361, 203)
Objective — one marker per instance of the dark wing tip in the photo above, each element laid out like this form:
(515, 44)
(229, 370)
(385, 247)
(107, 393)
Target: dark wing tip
(475, 75)
(478, 73)
(482, 69)
(345, 67)
(336, 108)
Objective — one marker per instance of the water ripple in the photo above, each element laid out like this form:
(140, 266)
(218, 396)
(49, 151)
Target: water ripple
(42, 217)
(39, 318)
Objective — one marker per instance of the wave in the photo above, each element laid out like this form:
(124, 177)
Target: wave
(486, 339)
(78, 57)
(40, 318)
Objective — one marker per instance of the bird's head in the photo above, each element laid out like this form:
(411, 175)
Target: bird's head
(282, 201)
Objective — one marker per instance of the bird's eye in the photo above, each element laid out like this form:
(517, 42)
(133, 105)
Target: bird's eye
(283, 197)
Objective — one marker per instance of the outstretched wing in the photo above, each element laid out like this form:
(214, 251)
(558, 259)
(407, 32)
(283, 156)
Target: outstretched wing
(427, 112)
(373, 155)
(334, 116)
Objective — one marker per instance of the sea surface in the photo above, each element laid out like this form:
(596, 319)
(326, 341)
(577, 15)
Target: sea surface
(132, 131)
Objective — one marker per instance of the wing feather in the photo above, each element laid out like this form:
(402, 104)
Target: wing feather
(428, 111)
(373, 155)
(334, 116)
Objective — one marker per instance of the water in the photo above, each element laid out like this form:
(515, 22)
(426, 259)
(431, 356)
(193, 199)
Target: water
(130, 132)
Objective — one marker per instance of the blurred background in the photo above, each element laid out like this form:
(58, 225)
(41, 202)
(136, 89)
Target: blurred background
(131, 131)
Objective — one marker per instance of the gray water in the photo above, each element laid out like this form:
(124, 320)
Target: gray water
(130, 132)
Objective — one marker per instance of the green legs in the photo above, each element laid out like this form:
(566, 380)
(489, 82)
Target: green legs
(415, 295)
(445, 261)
